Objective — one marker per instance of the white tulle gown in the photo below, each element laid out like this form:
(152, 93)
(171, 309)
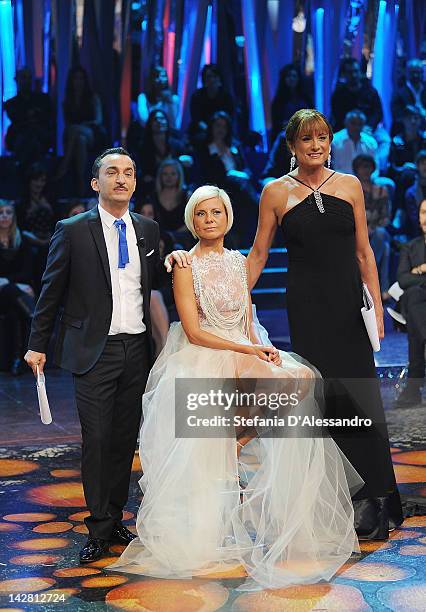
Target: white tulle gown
(293, 523)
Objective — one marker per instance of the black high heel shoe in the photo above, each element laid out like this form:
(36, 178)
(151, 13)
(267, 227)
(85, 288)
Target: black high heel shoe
(371, 518)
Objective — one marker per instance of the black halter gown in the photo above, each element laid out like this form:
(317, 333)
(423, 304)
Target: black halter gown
(324, 300)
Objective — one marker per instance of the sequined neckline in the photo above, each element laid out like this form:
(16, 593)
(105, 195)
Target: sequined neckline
(212, 254)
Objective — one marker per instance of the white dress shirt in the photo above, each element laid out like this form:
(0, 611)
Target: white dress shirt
(127, 300)
(344, 150)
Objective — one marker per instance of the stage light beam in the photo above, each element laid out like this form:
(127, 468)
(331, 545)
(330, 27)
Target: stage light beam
(7, 52)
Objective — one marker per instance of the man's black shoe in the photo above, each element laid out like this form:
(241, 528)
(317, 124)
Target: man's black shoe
(93, 550)
(121, 535)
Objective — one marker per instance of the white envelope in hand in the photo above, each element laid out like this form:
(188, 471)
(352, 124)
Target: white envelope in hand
(369, 315)
(43, 402)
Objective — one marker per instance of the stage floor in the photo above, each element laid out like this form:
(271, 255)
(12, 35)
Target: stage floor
(42, 509)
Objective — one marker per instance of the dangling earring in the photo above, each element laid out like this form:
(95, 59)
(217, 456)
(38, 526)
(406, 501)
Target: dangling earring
(292, 162)
(329, 161)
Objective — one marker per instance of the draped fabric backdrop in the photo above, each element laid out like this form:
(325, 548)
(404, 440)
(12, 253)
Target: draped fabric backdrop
(415, 16)
(384, 55)
(97, 53)
(124, 79)
(195, 14)
(32, 33)
(63, 18)
(328, 45)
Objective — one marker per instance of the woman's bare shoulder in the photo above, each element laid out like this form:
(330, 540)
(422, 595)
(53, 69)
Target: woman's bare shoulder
(347, 180)
(280, 184)
(277, 190)
(348, 187)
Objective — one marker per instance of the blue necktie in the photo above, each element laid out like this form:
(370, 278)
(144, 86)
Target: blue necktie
(123, 252)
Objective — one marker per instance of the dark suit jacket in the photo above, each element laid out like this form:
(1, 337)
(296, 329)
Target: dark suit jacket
(366, 99)
(402, 98)
(412, 255)
(77, 277)
(213, 169)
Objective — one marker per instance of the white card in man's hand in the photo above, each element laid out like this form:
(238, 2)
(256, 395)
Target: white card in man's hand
(43, 402)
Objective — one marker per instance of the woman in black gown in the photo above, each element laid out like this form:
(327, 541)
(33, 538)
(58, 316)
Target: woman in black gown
(322, 215)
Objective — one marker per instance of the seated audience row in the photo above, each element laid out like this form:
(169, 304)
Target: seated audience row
(16, 286)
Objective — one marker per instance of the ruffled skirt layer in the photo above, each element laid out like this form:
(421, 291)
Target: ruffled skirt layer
(293, 522)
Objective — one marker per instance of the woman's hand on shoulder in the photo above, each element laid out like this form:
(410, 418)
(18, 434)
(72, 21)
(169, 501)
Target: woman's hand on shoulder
(180, 257)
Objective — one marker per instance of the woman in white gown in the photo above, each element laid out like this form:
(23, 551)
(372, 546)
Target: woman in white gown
(293, 522)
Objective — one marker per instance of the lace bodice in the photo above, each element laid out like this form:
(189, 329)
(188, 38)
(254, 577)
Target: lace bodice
(220, 285)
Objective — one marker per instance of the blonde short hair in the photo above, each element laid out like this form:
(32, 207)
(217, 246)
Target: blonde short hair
(206, 192)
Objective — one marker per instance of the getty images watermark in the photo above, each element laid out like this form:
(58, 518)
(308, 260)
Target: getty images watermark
(210, 408)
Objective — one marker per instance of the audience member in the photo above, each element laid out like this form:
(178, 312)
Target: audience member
(409, 141)
(412, 92)
(354, 91)
(83, 126)
(412, 279)
(415, 195)
(16, 290)
(34, 211)
(222, 163)
(157, 145)
(36, 218)
(159, 314)
(208, 100)
(169, 200)
(291, 95)
(351, 141)
(404, 148)
(158, 96)
(378, 211)
(30, 133)
(146, 209)
(76, 207)
(278, 162)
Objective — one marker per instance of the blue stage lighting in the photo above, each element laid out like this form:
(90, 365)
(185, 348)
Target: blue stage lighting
(7, 63)
(20, 42)
(46, 47)
(206, 57)
(251, 49)
(7, 49)
(379, 49)
(319, 59)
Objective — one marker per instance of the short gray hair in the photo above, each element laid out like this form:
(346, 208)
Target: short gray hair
(206, 192)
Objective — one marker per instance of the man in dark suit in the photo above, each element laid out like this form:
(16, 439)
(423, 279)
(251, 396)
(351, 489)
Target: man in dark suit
(354, 91)
(412, 92)
(100, 269)
(412, 278)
